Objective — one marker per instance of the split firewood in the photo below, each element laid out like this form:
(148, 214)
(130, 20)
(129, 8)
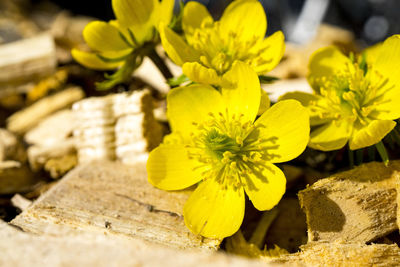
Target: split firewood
(116, 126)
(93, 249)
(354, 206)
(53, 129)
(26, 60)
(39, 155)
(105, 196)
(26, 119)
(341, 254)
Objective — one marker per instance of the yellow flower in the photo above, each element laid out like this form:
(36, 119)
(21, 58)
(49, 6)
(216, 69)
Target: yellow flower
(210, 47)
(115, 41)
(215, 140)
(355, 99)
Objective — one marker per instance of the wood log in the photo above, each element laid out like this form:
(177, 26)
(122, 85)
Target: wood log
(27, 60)
(89, 249)
(24, 120)
(110, 197)
(345, 255)
(354, 206)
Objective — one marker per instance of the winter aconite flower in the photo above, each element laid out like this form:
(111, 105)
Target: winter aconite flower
(123, 42)
(355, 99)
(217, 143)
(210, 47)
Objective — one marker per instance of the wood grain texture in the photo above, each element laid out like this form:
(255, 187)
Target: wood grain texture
(27, 60)
(116, 199)
(93, 249)
(354, 206)
(344, 255)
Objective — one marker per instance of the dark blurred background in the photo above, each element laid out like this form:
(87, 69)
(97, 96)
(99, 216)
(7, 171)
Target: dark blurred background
(371, 21)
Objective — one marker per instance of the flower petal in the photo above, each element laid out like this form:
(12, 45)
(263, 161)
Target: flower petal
(388, 58)
(200, 74)
(265, 187)
(326, 62)
(169, 168)
(330, 136)
(371, 134)
(92, 61)
(176, 47)
(186, 105)
(214, 211)
(164, 12)
(244, 98)
(133, 12)
(194, 14)
(305, 99)
(102, 36)
(288, 122)
(245, 19)
(274, 48)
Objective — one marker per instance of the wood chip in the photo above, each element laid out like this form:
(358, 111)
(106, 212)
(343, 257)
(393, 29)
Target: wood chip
(20, 202)
(105, 196)
(346, 255)
(26, 119)
(354, 206)
(27, 60)
(90, 249)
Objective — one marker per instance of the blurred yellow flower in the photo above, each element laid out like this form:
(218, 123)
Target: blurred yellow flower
(216, 141)
(124, 40)
(210, 47)
(355, 99)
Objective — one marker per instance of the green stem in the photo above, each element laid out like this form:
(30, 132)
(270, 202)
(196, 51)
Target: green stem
(258, 236)
(159, 62)
(382, 152)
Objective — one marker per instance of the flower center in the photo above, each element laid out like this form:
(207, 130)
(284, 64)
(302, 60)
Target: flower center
(353, 94)
(228, 148)
(219, 50)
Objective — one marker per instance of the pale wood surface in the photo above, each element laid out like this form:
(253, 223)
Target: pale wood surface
(116, 199)
(26, 119)
(344, 255)
(354, 206)
(90, 249)
(26, 60)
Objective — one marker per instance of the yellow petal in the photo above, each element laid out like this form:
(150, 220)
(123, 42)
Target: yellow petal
(164, 12)
(288, 122)
(102, 36)
(388, 58)
(92, 61)
(326, 62)
(192, 104)
(245, 19)
(266, 187)
(265, 103)
(176, 47)
(214, 211)
(244, 98)
(169, 168)
(200, 74)
(115, 55)
(194, 14)
(330, 136)
(272, 54)
(306, 100)
(133, 12)
(370, 134)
